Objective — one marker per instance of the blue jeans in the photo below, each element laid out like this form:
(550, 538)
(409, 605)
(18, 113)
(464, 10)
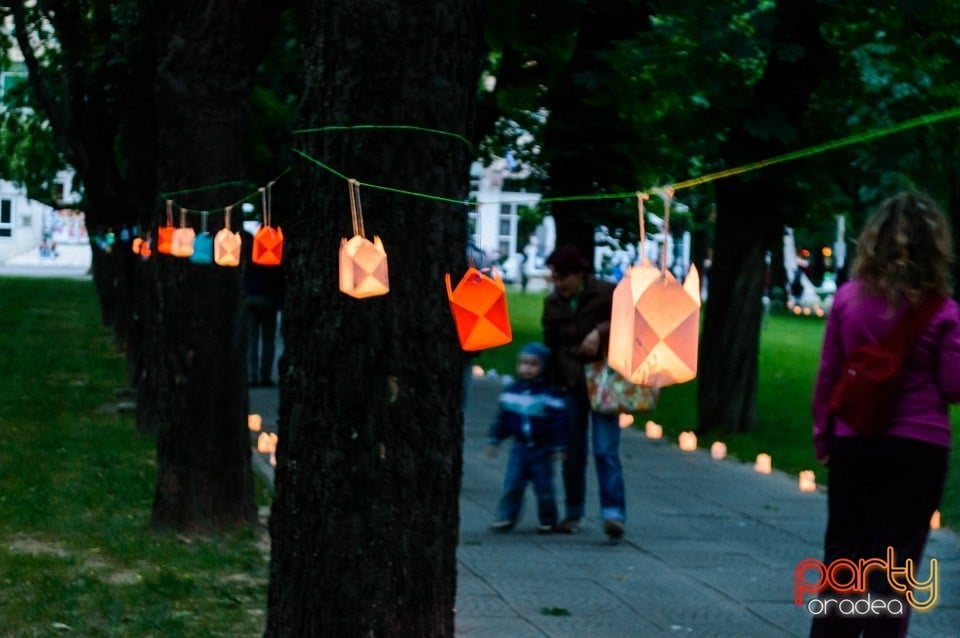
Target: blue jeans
(528, 464)
(606, 455)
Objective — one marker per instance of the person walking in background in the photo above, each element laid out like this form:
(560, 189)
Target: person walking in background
(576, 327)
(534, 414)
(884, 488)
(263, 297)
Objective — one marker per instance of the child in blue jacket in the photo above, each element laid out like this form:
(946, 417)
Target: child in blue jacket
(535, 415)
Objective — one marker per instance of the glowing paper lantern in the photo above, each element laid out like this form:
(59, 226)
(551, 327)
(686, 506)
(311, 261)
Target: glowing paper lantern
(653, 430)
(268, 242)
(718, 450)
(135, 246)
(203, 243)
(254, 422)
(267, 442)
(763, 464)
(687, 441)
(655, 321)
(479, 306)
(227, 244)
(935, 520)
(363, 263)
(477, 372)
(183, 238)
(626, 420)
(807, 481)
(165, 233)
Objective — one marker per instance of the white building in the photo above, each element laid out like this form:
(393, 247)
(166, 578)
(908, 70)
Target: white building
(493, 221)
(24, 221)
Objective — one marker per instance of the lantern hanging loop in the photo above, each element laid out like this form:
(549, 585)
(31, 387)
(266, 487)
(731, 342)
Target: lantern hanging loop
(183, 217)
(642, 197)
(203, 220)
(169, 212)
(665, 193)
(226, 216)
(356, 210)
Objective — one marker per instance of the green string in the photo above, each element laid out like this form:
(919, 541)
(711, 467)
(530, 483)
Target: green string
(849, 140)
(389, 189)
(386, 127)
(251, 195)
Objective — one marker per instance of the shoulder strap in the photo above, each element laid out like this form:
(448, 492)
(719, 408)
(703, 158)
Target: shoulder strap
(904, 334)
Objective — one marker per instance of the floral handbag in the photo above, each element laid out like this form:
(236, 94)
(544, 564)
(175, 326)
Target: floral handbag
(610, 393)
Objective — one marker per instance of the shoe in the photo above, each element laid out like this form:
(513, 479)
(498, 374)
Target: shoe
(569, 526)
(546, 529)
(503, 525)
(613, 528)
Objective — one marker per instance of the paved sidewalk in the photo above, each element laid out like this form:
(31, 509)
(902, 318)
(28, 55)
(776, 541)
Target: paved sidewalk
(73, 261)
(710, 550)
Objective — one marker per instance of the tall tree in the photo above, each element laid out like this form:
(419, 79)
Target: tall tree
(750, 214)
(365, 519)
(587, 143)
(208, 53)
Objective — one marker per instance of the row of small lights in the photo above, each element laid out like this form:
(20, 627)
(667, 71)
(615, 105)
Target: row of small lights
(718, 450)
(267, 444)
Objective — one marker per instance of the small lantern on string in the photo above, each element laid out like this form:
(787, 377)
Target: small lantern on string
(227, 244)
(655, 321)
(203, 243)
(165, 233)
(363, 264)
(268, 242)
(687, 441)
(718, 450)
(183, 237)
(479, 306)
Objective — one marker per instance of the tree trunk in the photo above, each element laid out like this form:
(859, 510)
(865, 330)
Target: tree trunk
(207, 56)
(587, 144)
(365, 519)
(750, 219)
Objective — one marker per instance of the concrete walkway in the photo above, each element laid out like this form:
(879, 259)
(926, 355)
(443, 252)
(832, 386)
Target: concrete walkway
(710, 550)
(72, 261)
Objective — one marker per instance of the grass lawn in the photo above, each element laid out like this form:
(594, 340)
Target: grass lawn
(789, 356)
(76, 487)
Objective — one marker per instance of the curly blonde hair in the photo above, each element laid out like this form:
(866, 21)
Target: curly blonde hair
(905, 250)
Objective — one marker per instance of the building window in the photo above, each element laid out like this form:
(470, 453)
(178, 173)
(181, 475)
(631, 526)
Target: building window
(6, 218)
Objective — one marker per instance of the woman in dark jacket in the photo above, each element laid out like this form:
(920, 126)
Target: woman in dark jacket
(576, 327)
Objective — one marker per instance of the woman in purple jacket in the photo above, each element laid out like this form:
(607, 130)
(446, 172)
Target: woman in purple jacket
(884, 488)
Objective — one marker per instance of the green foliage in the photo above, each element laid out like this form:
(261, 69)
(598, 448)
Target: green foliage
(75, 547)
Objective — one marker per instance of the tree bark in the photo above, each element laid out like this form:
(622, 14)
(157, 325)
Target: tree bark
(365, 519)
(750, 219)
(208, 52)
(589, 147)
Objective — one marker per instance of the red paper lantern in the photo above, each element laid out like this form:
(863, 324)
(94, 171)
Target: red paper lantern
(268, 242)
(165, 233)
(479, 307)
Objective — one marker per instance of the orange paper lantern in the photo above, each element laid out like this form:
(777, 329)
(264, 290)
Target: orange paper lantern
(268, 242)
(655, 321)
(135, 246)
(227, 244)
(165, 233)
(183, 238)
(363, 263)
(479, 306)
